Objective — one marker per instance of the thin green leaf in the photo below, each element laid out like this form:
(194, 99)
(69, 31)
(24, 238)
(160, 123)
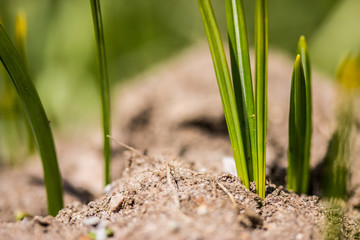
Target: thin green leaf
(297, 128)
(37, 119)
(241, 75)
(304, 56)
(103, 84)
(261, 49)
(225, 88)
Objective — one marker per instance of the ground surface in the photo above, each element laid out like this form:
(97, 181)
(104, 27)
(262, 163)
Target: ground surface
(174, 185)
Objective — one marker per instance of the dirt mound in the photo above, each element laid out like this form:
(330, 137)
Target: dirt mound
(160, 199)
(174, 186)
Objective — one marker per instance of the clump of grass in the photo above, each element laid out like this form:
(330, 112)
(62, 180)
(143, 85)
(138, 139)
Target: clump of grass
(246, 117)
(103, 84)
(337, 161)
(336, 171)
(37, 118)
(300, 122)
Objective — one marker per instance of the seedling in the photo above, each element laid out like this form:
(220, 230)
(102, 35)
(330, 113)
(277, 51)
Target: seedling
(37, 118)
(337, 161)
(300, 122)
(16, 129)
(336, 171)
(103, 84)
(245, 117)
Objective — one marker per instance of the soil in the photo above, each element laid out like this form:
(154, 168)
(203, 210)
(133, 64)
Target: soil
(177, 181)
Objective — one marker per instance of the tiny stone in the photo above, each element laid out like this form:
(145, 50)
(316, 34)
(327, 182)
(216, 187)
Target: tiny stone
(101, 234)
(43, 221)
(299, 236)
(107, 189)
(202, 209)
(228, 165)
(174, 226)
(116, 202)
(243, 220)
(91, 221)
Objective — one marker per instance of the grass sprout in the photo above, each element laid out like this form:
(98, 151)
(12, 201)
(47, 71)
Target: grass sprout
(297, 128)
(16, 129)
(245, 116)
(242, 80)
(226, 89)
(261, 49)
(103, 84)
(337, 161)
(300, 122)
(37, 118)
(336, 171)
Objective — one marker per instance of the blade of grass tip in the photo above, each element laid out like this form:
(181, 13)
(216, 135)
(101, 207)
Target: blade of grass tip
(304, 56)
(37, 120)
(20, 39)
(225, 88)
(261, 49)
(103, 84)
(242, 80)
(297, 127)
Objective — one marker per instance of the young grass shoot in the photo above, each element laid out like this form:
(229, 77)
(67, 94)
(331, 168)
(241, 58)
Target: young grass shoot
(37, 118)
(245, 116)
(103, 84)
(300, 122)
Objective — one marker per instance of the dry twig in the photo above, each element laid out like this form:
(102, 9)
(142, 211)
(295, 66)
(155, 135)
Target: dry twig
(228, 193)
(134, 150)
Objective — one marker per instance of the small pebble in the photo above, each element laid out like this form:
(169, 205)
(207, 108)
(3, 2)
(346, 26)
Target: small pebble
(174, 226)
(116, 202)
(91, 221)
(299, 236)
(107, 189)
(43, 221)
(202, 209)
(101, 234)
(228, 165)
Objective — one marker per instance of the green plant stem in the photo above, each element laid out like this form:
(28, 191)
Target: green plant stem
(304, 56)
(242, 80)
(37, 119)
(261, 49)
(225, 88)
(103, 84)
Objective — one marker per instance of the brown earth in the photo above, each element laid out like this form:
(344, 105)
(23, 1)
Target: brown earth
(175, 187)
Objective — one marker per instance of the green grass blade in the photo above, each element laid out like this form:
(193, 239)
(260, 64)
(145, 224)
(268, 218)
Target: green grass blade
(304, 56)
(242, 80)
(261, 49)
(297, 128)
(37, 119)
(103, 84)
(225, 88)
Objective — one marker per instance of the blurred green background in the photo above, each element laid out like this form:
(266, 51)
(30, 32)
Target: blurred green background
(139, 34)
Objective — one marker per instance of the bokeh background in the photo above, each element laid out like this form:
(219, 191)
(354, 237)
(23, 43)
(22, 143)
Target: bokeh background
(140, 34)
